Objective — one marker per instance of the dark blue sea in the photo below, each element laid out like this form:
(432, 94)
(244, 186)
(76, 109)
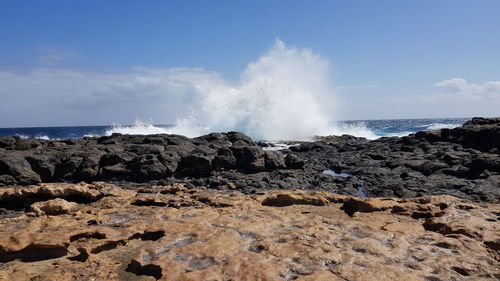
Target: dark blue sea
(378, 128)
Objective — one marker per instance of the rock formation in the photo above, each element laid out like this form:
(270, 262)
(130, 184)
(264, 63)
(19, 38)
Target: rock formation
(463, 162)
(102, 232)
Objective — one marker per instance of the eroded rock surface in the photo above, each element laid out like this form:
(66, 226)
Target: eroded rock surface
(176, 233)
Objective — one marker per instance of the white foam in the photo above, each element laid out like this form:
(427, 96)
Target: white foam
(437, 126)
(356, 129)
(144, 128)
(40, 137)
(400, 134)
(283, 95)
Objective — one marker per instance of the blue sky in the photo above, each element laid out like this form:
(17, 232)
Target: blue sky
(388, 59)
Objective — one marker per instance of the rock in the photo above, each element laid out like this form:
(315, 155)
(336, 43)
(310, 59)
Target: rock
(53, 207)
(237, 136)
(7, 142)
(196, 164)
(293, 162)
(461, 162)
(274, 160)
(117, 171)
(174, 233)
(148, 167)
(225, 159)
(144, 149)
(249, 158)
(114, 158)
(43, 165)
(6, 180)
(19, 169)
(170, 160)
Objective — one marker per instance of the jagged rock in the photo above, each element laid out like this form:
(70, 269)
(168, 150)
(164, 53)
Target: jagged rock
(274, 160)
(19, 169)
(249, 158)
(440, 162)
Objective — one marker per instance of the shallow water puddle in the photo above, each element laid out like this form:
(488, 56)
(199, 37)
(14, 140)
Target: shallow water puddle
(361, 188)
(332, 173)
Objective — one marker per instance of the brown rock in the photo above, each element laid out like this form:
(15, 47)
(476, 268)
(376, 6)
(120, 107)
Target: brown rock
(53, 207)
(172, 233)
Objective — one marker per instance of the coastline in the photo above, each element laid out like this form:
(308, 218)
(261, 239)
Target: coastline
(166, 207)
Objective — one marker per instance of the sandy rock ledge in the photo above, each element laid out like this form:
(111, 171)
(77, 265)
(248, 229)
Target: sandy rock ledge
(101, 232)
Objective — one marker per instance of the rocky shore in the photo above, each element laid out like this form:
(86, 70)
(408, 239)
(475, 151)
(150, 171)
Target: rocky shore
(102, 232)
(463, 162)
(224, 207)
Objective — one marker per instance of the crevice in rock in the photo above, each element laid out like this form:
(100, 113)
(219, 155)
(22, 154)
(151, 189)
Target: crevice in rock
(109, 245)
(23, 202)
(283, 200)
(87, 235)
(149, 235)
(460, 270)
(147, 270)
(34, 252)
(209, 202)
(149, 202)
(82, 257)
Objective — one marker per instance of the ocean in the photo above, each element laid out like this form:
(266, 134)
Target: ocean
(371, 129)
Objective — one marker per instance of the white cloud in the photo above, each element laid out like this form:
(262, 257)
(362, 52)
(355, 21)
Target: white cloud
(59, 96)
(458, 87)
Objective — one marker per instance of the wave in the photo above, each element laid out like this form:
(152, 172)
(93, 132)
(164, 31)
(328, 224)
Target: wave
(187, 129)
(285, 94)
(184, 127)
(39, 137)
(438, 126)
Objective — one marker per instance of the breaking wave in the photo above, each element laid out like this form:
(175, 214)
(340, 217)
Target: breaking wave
(438, 126)
(283, 95)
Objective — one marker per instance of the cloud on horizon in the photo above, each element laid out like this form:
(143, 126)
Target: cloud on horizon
(52, 96)
(60, 96)
(460, 87)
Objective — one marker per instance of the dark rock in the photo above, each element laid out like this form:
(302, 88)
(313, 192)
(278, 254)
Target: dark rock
(144, 149)
(225, 159)
(170, 160)
(249, 158)
(237, 136)
(6, 142)
(148, 167)
(294, 162)
(6, 180)
(116, 172)
(196, 164)
(114, 158)
(43, 165)
(19, 168)
(274, 160)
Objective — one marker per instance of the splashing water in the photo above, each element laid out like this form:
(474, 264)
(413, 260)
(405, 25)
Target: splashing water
(285, 94)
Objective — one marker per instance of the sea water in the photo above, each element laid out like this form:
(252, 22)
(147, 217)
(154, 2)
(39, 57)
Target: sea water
(377, 128)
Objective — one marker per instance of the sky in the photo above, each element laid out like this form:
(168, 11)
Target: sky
(91, 62)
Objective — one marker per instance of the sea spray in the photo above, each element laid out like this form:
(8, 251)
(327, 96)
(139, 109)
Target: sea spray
(284, 95)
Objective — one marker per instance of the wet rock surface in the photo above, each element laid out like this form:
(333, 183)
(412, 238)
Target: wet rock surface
(177, 233)
(463, 162)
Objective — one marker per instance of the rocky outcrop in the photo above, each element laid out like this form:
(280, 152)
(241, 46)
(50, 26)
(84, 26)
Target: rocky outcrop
(463, 162)
(132, 158)
(177, 233)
